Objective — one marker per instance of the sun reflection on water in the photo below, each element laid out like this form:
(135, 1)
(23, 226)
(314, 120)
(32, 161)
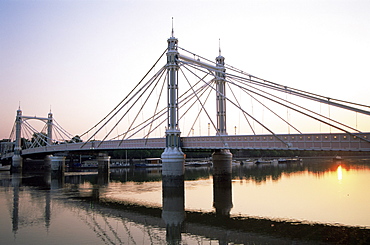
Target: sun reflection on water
(339, 172)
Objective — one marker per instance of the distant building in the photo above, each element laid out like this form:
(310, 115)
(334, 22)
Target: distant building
(6, 146)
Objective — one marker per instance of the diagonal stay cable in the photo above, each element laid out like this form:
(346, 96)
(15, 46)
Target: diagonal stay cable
(301, 107)
(145, 123)
(156, 108)
(195, 94)
(12, 132)
(146, 100)
(283, 87)
(208, 84)
(264, 126)
(298, 90)
(55, 135)
(137, 85)
(163, 112)
(27, 133)
(186, 96)
(65, 132)
(129, 100)
(38, 138)
(205, 89)
(269, 110)
(308, 115)
(33, 130)
(302, 94)
(246, 118)
(146, 88)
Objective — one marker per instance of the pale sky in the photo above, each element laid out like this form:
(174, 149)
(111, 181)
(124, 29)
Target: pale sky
(80, 58)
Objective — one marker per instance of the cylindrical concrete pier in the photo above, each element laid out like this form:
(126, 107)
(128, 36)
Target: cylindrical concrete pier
(222, 161)
(57, 163)
(47, 162)
(103, 162)
(173, 160)
(17, 163)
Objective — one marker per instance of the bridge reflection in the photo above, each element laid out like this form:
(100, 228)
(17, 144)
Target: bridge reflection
(83, 195)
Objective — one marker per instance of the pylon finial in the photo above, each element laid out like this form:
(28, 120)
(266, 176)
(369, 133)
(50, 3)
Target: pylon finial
(219, 46)
(172, 27)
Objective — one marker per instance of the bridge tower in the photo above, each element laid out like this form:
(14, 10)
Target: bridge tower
(222, 159)
(17, 159)
(172, 157)
(50, 128)
(220, 96)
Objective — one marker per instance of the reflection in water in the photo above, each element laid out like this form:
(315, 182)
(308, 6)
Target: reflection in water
(173, 205)
(222, 194)
(339, 172)
(44, 208)
(16, 182)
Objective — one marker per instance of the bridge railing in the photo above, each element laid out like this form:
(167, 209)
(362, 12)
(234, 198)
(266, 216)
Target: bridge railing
(317, 142)
(154, 143)
(334, 142)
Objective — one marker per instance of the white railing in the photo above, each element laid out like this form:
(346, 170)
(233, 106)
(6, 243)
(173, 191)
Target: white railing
(335, 142)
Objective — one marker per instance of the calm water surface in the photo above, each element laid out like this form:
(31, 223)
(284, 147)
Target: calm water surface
(316, 201)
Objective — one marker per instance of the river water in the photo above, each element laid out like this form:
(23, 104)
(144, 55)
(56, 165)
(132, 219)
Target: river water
(314, 201)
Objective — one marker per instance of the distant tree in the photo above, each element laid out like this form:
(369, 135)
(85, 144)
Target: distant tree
(25, 143)
(77, 139)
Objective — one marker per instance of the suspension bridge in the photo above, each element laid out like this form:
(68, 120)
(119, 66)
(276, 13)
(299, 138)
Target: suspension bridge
(177, 92)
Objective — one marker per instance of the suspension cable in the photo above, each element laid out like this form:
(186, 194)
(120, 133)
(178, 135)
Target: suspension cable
(142, 79)
(268, 109)
(286, 101)
(219, 93)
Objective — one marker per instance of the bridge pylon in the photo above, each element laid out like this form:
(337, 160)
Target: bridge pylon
(221, 95)
(172, 158)
(222, 159)
(50, 128)
(17, 161)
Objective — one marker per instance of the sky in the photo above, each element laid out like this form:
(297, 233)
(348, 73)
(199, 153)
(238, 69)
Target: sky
(80, 58)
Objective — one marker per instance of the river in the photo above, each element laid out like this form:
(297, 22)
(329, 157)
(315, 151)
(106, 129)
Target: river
(311, 202)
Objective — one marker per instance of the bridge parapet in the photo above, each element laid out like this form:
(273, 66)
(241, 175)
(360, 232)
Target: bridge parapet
(330, 142)
(316, 142)
(154, 143)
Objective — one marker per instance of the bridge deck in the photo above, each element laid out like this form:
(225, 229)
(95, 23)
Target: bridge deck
(317, 142)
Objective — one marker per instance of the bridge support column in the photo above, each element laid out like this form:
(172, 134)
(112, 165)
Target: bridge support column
(50, 129)
(17, 161)
(222, 161)
(173, 165)
(222, 194)
(103, 162)
(173, 214)
(57, 163)
(173, 158)
(47, 162)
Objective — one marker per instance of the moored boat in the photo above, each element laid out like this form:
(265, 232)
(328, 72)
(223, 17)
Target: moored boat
(289, 160)
(337, 158)
(150, 163)
(4, 167)
(197, 164)
(263, 161)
